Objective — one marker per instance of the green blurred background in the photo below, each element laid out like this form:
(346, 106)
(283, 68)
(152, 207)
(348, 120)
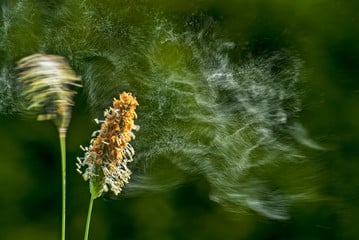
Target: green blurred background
(323, 33)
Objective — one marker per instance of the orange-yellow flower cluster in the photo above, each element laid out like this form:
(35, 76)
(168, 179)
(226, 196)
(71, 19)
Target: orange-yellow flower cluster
(106, 158)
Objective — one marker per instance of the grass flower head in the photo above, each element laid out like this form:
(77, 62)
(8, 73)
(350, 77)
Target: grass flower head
(105, 160)
(46, 81)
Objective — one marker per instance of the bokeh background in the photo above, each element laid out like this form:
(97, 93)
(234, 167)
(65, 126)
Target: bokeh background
(322, 33)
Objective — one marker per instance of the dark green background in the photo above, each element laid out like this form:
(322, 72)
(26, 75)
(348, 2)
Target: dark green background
(323, 33)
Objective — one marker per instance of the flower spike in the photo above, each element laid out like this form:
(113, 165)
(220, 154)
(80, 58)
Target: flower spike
(46, 80)
(105, 160)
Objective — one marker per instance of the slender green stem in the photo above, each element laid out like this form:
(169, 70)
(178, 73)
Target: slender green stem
(62, 136)
(88, 219)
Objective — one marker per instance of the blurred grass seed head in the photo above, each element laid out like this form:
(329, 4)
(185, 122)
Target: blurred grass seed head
(46, 81)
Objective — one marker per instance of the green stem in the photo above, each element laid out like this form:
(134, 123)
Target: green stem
(88, 219)
(62, 136)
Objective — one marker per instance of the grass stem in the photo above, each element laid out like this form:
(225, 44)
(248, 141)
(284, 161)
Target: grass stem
(88, 219)
(62, 137)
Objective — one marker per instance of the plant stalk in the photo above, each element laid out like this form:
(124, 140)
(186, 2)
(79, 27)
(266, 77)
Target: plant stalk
(87, 229)
(62, 136)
